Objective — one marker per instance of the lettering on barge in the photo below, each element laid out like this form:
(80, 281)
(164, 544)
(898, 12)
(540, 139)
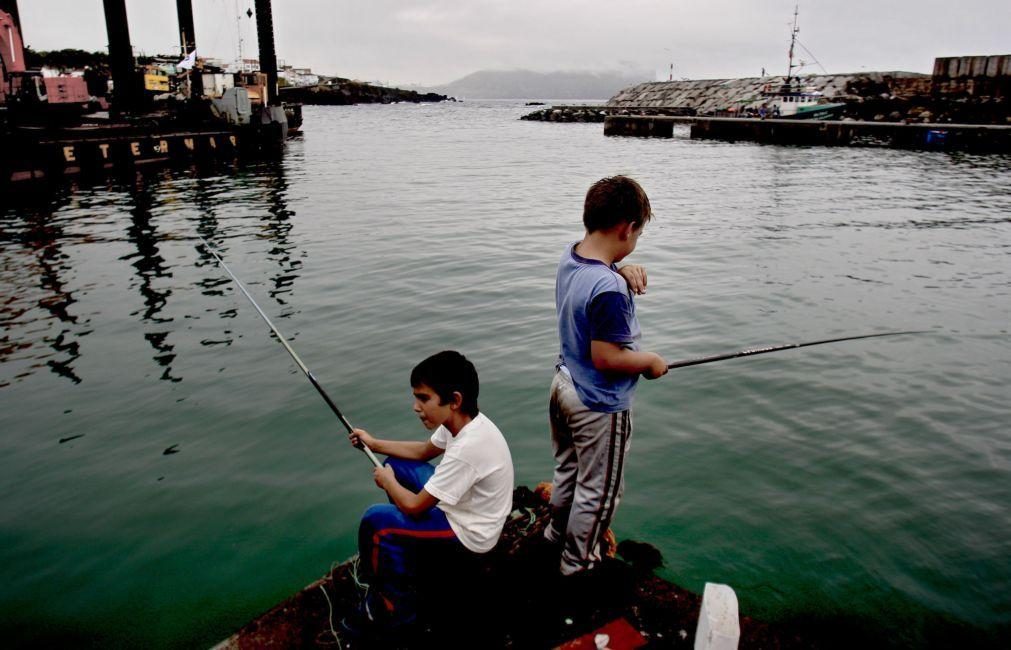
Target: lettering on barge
(105, 153)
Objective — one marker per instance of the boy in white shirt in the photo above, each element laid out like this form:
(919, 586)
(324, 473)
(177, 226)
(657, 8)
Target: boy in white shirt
(458, 507)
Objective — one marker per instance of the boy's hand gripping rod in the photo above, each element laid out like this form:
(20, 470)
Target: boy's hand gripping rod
(280, 337)
(776, 348)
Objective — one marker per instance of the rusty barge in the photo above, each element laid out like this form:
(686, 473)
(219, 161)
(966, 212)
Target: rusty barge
(55, 125)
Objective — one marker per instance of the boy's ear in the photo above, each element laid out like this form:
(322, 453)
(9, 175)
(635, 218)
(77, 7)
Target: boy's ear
(457, 400)
(625, 231)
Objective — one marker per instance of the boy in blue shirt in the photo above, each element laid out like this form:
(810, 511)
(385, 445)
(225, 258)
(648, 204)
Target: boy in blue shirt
(599, 364)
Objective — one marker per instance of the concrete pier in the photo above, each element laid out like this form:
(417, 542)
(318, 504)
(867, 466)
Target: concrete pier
(969, 137)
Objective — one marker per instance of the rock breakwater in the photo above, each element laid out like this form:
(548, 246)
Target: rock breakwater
(344, 92)
(599, 113)
(907, 97)
(873, 96)
(720, 96)
(567, 114)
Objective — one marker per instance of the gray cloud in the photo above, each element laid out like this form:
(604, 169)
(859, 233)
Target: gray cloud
(436, 41)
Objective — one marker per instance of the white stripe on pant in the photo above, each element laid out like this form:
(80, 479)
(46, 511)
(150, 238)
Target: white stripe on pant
(590, 449)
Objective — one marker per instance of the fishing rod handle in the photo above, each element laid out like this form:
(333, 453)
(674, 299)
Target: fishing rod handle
(372, 456)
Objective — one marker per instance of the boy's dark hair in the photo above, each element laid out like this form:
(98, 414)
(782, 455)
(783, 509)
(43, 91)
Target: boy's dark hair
(614, 200)
(446, 373)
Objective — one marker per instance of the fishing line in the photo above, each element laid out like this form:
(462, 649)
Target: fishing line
(302, 366)
(330, 617)
(777, 348)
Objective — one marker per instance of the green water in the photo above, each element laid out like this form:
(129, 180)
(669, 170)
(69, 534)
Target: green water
(861, 487)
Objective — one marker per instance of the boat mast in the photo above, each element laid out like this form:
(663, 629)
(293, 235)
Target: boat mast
(793, 40)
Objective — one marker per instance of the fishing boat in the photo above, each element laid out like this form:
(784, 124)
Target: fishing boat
(793, 99)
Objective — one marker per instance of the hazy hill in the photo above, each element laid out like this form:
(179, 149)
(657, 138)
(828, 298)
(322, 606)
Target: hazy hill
(525, 84)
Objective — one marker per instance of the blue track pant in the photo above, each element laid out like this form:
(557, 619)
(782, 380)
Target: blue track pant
(391, 545)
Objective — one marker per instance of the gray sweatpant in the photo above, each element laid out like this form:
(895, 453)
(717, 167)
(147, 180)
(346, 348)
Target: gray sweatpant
(590, 449)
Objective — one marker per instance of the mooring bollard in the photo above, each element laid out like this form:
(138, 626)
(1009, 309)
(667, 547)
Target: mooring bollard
(719, 626)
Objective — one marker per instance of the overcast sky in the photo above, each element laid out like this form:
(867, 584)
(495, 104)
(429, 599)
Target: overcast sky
(430, 42)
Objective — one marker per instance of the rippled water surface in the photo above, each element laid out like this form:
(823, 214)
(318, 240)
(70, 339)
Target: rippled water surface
(167, 472)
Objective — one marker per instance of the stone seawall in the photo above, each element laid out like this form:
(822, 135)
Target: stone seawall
(567, 114)
(716, 96)
(907, 97)
(599, 113)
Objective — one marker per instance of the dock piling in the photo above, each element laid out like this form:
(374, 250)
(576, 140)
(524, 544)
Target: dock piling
(126, 88)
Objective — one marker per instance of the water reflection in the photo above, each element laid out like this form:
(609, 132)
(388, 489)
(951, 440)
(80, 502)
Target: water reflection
(40, 234)
(277, 225)
(209, 195)
(40, 306)
(150, 267)
(266, 180)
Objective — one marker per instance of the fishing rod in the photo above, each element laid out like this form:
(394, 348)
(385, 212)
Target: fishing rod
(776, 348)
(308, 373)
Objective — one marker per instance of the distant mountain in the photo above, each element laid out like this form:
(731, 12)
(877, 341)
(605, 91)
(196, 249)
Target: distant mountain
(525, 84)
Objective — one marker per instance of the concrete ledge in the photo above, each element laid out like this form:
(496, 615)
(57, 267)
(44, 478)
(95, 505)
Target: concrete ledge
(984, 138)
(643, 127)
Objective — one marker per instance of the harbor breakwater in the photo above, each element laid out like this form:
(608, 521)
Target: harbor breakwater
(344, 92)
(962, 105)
(721, 97)
(587, 113)
(966, 90)
(715, 96)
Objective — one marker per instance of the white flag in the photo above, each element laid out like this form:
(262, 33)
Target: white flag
(188, 62)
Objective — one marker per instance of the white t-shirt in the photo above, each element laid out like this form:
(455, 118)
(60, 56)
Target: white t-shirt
(474, 482)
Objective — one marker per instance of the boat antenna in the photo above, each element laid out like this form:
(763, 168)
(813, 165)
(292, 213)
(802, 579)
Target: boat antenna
(793, 39)
(298, 361)
(776, 348)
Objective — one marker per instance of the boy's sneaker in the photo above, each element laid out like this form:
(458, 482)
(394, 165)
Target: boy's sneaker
(544, 555)
(607, 585)
(358, 625)
(361, 624)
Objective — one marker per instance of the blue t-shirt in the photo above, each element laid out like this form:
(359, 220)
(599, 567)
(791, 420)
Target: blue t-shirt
(594, 303)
